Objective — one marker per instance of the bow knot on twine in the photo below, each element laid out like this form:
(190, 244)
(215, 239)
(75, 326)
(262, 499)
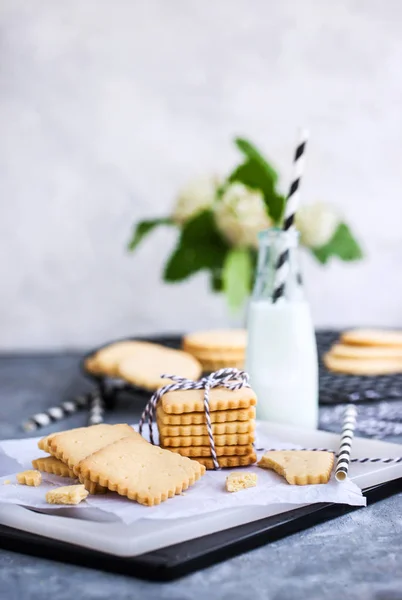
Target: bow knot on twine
(231, 379)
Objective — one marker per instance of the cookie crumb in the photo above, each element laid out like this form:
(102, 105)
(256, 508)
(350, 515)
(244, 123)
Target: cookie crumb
(240, 481)
(32, 478)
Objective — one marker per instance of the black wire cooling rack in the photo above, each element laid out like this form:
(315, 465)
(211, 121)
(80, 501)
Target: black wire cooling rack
(334, 388)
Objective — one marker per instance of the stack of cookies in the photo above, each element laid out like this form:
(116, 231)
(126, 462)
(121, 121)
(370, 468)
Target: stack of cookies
(217, 349)
(180, 416)
(366, 352)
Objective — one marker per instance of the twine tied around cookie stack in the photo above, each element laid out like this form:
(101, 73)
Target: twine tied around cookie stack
(230, 378)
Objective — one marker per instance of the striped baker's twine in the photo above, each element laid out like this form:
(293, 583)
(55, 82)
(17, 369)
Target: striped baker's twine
(292, 204)
(96, 409)
(395, 459)
(232, 379)
(55, 413)
(348, 429)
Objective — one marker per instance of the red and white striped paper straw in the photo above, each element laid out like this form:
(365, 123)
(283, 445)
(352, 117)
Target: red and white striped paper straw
(348, 429)
(292, 204)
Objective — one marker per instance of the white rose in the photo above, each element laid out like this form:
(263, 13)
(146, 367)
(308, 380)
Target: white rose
(241, 214)
(317, 224)
(196, 196)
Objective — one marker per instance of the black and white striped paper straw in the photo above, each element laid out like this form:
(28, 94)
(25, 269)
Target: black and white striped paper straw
(55, 413)
(292, 204)
(96, 409)
(348, 428)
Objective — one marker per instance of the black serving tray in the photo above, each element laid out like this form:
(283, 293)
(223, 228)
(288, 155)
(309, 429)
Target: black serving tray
(334, 388)
(181, 559)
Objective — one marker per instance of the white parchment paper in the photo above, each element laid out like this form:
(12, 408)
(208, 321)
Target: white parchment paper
(207, 495)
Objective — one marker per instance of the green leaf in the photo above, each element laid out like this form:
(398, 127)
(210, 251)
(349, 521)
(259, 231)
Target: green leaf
(342, 245)
(200, 246)
(216, 281)
(142, 229)
(253, 154)
(237, 275)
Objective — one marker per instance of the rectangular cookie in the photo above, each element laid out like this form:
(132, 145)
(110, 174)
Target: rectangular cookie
(73, 446)
(50, 464)
(188, 401)
(229, 461)
(196, 430)
(226, 439)
(198, 418)
(205, 451)
(142, 472)
(54, 466)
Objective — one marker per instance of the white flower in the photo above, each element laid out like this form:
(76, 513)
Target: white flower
(241, 214)
(196, 196)
(317, 224)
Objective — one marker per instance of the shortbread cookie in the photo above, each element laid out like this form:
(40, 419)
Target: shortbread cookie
(364, 352)
(106, 360)
(229, 461)
(210, 365)
(52, 465)
(372, 337)
(187, 401)
(205, 451)
(145, 368)
(32, 478)
(142, 472)
(226, 439)
(216, 340)
(217, 349)
(362, 366)
(240, 480)
(68, 494)
(198, 418)
(300, 467)
(73, 446)
(44, 443)
(196, 430)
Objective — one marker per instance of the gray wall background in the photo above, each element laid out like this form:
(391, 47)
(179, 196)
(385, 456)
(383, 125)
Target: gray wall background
(107, 107)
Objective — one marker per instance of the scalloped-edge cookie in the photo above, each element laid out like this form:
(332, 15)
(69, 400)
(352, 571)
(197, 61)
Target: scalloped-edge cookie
(73, 446)
(229, 461)
(145, 473)
(146, 367)
(31, 478)
(205, 451)
(52, 465)
(198, 418)
(300, 467)
(197, 430)
(220, 398)
(226, 439)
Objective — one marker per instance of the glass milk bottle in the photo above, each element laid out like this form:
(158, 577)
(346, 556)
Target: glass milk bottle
(281, 352)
